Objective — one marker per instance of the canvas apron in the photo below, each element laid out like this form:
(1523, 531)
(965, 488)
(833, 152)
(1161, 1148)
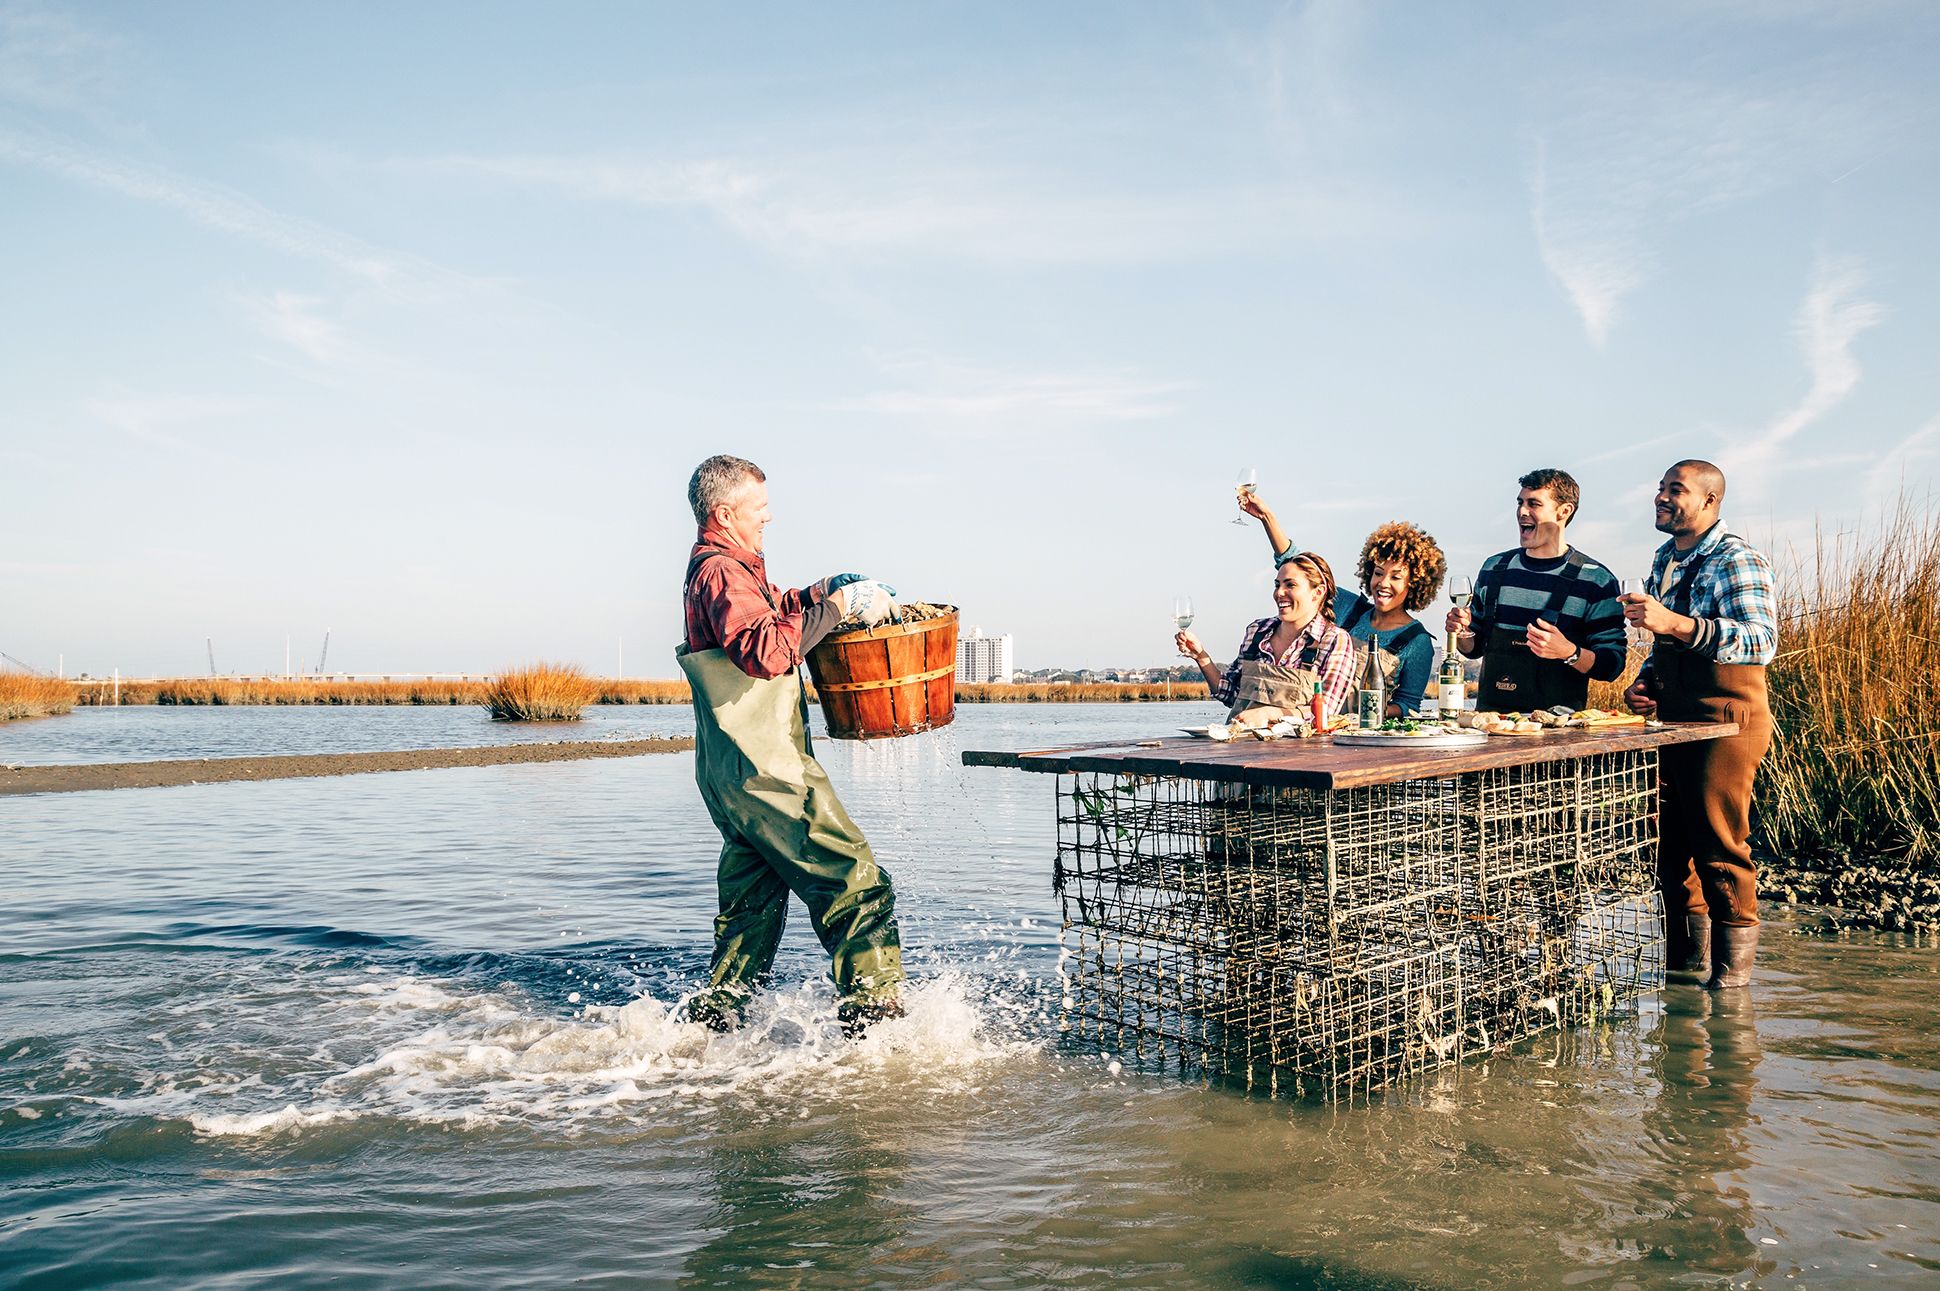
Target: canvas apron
(1515, 679)
(1704, 844)
(1265, 683)
(783, 830)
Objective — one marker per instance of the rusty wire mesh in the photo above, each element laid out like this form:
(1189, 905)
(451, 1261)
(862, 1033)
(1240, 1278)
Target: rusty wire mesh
(1336, 941)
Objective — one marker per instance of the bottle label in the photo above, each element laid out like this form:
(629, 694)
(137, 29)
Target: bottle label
(1452, 695)
(1371, 706)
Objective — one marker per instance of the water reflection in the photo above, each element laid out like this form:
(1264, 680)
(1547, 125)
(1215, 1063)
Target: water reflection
(1707, 1068)
(819, 1198)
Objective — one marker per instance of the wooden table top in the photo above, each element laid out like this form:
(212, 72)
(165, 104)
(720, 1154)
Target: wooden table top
(1322, 764)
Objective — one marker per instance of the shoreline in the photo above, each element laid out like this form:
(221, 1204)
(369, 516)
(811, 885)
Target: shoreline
(84, 776)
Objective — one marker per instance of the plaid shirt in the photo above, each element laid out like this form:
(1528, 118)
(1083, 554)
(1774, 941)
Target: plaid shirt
(1729, 596)
(730, 604)
(1334, 661)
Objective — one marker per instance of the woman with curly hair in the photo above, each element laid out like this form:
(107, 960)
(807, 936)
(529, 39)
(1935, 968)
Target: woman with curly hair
(1401, 569)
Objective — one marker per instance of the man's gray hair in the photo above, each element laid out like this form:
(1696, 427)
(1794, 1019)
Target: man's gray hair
(716, 481)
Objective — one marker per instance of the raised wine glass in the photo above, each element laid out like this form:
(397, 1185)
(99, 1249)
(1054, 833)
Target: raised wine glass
(1461, 590)
(1182, 613)
(1636, 634)
(1249, 479)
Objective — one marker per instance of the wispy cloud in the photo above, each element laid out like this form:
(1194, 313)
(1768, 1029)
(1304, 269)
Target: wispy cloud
(50, 62)
(942, 391)
(160, 419)
(1637, 446)
(1831, 319)
(223, 210)
(883, 206)
(295, 320)
(1611, 174)
(1904, 465)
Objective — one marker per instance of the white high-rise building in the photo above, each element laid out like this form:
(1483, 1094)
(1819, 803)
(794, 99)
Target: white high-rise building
(981, 658)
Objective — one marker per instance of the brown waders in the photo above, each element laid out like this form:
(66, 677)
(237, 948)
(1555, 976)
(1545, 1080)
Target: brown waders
(783, 830)
(1704, 857)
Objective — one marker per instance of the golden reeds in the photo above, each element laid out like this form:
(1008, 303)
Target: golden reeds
(26, 694)
(541, 692)
(1855, 765)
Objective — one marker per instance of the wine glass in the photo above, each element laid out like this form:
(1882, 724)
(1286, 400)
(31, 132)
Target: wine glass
(1249, 480)
(1182, 613)
(1636, 633)
(1461, 590)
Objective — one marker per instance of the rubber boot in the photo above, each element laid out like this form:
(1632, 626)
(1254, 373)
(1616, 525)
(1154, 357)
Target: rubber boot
(1688, 947)
(1732, 951)
(859, 1014)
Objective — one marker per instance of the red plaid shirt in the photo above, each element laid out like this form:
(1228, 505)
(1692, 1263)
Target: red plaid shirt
(1334, 661)
(732, 606)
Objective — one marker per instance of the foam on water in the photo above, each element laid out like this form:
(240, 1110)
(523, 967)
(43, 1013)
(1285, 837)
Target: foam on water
(485, 1058)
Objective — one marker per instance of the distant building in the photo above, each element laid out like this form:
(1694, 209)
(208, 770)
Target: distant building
(981, 658)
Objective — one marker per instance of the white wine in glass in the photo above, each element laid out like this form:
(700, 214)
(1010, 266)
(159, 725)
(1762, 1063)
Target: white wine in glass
(1636, 633)
(1182, 613)
(1461, 590)
(1249, 479)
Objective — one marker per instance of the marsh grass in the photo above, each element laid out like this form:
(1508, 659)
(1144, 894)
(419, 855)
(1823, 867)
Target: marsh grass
(26, 694)
(1855, 765)
(541, 692)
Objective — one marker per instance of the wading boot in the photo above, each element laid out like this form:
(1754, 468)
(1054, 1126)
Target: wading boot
(857, 1016)
(1687, 949)
(718, 1011)
(1732, 952)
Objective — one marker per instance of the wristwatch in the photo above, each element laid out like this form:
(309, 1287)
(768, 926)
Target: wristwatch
(1574, 656)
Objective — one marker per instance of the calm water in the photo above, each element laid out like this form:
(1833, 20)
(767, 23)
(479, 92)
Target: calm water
(138, 733)
(411, 1029)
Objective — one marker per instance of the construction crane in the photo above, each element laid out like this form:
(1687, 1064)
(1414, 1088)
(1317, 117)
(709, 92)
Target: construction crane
(22, 664)
(211, 643)
(323, 653)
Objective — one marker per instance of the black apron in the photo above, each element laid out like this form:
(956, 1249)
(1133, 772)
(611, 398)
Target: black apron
(1515, 679)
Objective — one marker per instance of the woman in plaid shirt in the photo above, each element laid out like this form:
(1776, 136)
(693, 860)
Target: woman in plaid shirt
(1281, 658)
(1711, 607)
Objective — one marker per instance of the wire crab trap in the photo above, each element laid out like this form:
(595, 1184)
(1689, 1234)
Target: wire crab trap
(1340, 940)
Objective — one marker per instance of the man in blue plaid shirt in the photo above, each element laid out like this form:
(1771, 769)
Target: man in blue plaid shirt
(1710, 605)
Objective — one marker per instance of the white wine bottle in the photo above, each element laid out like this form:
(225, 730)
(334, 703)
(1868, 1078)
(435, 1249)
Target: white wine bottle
(1374, 703)
(1454, 681)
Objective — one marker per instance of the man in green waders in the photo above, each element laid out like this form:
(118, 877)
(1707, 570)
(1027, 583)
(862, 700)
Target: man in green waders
(782, 828)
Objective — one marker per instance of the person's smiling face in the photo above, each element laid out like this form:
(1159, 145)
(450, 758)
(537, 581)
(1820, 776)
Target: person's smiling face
(1388, 585)
(1683, 504)
(746, 518)
(1540, 519)
(1296, 595)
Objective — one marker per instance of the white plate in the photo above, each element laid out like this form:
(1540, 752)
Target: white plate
(1197, 732)
(1397, 740)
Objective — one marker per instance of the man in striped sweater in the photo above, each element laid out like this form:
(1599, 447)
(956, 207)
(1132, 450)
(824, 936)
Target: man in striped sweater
(1545, 618)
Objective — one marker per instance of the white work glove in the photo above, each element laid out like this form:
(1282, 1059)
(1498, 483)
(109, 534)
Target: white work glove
(867, 603)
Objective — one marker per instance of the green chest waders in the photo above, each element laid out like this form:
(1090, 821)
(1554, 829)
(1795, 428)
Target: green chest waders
(782, 830)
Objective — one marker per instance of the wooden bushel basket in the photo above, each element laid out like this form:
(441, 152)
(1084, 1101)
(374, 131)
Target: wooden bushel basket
(892, 680)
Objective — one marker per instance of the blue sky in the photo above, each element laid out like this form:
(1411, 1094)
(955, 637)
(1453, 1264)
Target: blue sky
(410, 322)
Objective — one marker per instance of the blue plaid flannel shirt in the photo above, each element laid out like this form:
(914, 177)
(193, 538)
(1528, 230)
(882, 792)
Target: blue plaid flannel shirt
(1730, 597)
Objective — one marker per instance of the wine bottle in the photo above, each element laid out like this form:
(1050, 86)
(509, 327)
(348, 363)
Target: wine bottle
(1374, 702)
(1454, 681)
